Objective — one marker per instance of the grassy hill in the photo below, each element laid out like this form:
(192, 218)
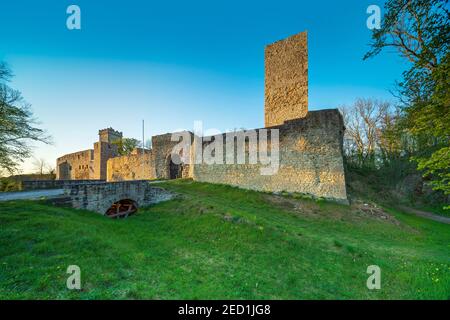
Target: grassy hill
(219, 242)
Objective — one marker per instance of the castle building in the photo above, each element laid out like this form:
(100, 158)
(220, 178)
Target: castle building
(310, 142)
(89, 164)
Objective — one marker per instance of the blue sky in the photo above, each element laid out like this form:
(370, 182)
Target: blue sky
(172, 63)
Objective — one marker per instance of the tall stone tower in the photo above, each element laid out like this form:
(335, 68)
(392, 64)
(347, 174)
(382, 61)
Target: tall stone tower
(286, 80)
(109, 135)
(103, 150)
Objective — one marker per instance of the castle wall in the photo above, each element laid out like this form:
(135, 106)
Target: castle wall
(286, 80)
(89, 164)
(75, 166)
(136, 166)
(162, 147)
(102, 152)
(310, 154)
(310, 160)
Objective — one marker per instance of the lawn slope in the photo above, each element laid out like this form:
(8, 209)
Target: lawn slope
(219, 242)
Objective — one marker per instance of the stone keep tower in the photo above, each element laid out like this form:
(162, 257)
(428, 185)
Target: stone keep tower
(286, 80)
(109, 135)
(104, 149)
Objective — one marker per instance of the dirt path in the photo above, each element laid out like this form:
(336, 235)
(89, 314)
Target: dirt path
(425, 214)
(30, 195)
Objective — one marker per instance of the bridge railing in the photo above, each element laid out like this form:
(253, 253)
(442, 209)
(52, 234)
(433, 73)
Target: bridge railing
(55, 184)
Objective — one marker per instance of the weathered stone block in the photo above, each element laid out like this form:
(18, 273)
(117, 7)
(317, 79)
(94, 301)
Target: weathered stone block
(286, 80)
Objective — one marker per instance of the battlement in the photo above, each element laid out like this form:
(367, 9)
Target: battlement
(109, 135)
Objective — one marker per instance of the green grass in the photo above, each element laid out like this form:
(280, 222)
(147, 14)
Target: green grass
(397, 185)
(436, 209)
(219, 242)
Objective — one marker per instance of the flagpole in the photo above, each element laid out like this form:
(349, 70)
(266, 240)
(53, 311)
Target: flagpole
(143, 151)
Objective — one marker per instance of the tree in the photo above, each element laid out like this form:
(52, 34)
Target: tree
(126, 145)
(41, 166)
(366, 122)
(17, 125)
(420, 31)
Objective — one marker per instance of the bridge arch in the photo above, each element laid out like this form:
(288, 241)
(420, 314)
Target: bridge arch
(122, 208)
(100, 197)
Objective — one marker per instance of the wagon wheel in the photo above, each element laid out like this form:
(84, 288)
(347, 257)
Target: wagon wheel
(122, 208)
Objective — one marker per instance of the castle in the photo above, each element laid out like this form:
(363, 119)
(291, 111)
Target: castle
(310, 143)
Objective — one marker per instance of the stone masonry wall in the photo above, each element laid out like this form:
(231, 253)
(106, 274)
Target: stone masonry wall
(162, 146)
(89, 164)
(109, 135)
(102, 152)
(286, 80)
(310, 160)
(131, 167)
(75, 166)
(311, 157)
(54, 184)
(99, 197)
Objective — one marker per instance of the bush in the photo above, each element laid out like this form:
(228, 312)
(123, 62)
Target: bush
(8, 185)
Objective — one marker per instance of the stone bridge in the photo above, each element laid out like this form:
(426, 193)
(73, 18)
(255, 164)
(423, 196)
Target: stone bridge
(97, 196)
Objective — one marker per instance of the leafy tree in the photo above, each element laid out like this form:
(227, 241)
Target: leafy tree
(126, 145)
(420, 31)
(7, 185)
(17, 125)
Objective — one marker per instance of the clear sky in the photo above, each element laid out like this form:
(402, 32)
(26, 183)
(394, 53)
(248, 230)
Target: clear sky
(174, 62)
